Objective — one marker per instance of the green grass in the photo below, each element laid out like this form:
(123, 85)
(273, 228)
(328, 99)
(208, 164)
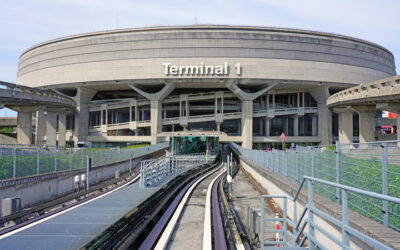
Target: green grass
(26, 165)
(359, 173)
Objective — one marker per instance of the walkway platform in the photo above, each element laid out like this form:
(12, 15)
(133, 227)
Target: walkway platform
(75, 227)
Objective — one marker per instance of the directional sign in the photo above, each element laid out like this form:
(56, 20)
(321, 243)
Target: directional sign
(283, 136)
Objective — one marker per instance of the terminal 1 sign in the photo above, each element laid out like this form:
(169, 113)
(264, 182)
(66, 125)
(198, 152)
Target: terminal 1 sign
(200, 70)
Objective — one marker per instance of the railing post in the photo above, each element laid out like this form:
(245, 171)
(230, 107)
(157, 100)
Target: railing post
(92, 157)
(287, 163)
(37, 160)
(385, 204)
(82, 157)
(130, 163)
(262, 223)
(285, 222)
(88, 163)
(345, 221)
(337, 152)
(310, 215)
(70, 158)
(55, 161)
(14, 162)
(312, 162)
(297, 164)
(295, 223)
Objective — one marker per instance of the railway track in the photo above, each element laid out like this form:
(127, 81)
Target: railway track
(151, 223)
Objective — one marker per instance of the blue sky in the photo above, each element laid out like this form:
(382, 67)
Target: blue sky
(24, 23)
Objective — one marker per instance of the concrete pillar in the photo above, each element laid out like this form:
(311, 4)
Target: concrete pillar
(51, 129)
(367, 126)
(324, 124)
(24, 127)
(398, 128)
(296, 126)
(286, 125)
(218, 126)
(320, 94)
(314, 128)
(267, 127)
(82, 99)
(62, 121)
(247, 124)
(346, 127)
(41, 122)
(156, 125)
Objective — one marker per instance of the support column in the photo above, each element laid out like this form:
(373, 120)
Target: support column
(62, 120)
(320, 94)
(155, 116)
(314, 128)
(51, 129)
(247, 124)
(24, 127)
(267, 127)
(367, 126)
(296, 126)
(41, 122)
(324, 124)
(346, 127)
(286, 126)
(82, 99)
(398, 127)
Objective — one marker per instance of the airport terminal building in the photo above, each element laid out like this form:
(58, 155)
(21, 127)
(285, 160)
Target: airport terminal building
(246, 84)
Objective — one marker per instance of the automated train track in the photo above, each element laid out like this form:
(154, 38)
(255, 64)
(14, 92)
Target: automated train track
(151, 223)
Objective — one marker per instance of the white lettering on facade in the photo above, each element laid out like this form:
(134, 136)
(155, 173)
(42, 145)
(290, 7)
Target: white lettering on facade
(200, 70)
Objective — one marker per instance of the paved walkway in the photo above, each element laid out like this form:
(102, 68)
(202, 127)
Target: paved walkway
(76, 227)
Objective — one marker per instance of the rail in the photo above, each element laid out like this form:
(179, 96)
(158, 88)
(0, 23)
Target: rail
(156, 172)
(371, 166)
(302, 223)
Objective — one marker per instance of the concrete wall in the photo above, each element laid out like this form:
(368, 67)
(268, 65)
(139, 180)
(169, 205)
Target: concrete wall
(264, 53)
(44, 187)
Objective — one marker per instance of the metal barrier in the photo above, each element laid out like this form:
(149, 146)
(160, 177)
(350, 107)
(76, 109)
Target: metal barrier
(27, 161)
(371, 166)
(156, 172)
(303, 222)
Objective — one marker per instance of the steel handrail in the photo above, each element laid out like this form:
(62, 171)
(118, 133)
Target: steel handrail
(347, 188)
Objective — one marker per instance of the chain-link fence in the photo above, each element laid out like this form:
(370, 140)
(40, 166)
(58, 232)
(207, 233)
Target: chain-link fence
(26, 161)
(370, 166)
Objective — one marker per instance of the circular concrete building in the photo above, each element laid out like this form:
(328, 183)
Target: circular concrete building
(249, 83)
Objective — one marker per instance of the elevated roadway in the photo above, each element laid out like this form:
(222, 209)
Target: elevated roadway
(26, 100)
(365, 99)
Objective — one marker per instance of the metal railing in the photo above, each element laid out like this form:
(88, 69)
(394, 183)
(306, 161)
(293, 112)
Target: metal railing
(371, 166)
(306, 228)
(18, 162)
(156, 172)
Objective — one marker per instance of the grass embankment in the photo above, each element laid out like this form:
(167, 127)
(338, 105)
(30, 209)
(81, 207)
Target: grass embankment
(360, 173)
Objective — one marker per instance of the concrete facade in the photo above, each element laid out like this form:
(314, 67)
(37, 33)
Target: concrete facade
(136, 84)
